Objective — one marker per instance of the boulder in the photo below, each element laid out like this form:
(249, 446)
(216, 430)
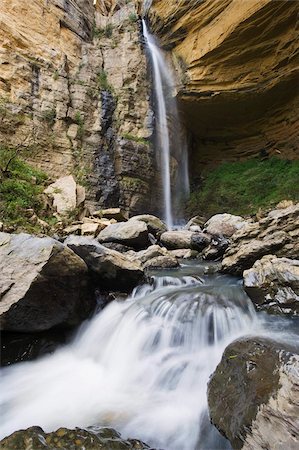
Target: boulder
(154, 224)
(184, 253)
(151, 252)
(64, 438)
(133, 233)
(161, 262)
(118, 247)
(112, 213)
(176, 239)
(43, 284)
(90, 229)
(277, 233)
(64, 194)
(216, 249)
(199, 241)
(111, 269)
(253, 395)
(196, 221)
(273, 284)
(224, 225)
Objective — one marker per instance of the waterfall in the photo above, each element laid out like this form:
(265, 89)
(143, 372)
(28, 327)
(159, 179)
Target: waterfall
(141, 365)
(167, 143)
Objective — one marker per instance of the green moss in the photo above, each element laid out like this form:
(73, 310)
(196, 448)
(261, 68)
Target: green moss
(20, 189)
(102, 81)
(133, 17)
(131, 137)
(79, 120)
(49, 116)
(106, 31)
(245, 187)
(132, 183)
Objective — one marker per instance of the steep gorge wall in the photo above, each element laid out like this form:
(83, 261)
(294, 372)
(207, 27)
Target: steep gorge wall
(74, 91)
(238, 74)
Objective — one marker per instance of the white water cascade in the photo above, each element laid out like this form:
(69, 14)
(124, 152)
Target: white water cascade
(163, 84)
(141, 365)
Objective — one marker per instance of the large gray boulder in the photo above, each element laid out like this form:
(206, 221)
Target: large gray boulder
(224, 224)
(154, 224)
(78, 439)
(273, 284)
(133, 233)
(253, 395)
(43, 284)
(177, 239)
(277, 233)
(111, 269)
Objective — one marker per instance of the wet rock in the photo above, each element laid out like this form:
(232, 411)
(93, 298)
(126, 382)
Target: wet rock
(184, 253)
(224, 225)
(151, 252)
(154, 224)
(273, 284)
(133, 233)
(43, 284)
(277, 233)
(161, 262)
(215, 249)
(66, 439)
(111, 269)
(253, 395)
(177, 239)
(199, 241)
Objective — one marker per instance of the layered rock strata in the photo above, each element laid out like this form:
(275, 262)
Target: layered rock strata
(74, 94)
(238, 75)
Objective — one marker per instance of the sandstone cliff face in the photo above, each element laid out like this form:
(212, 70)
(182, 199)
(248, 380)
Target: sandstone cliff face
(237, 65)
(74, 90)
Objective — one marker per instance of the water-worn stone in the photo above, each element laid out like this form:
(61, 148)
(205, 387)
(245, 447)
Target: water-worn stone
(196, 221)
(177, 239)
(67, 439)
(184, 253)
(253, 395)
(215, 249)
(224, 225)
(154, 224)
(133, 233)
(161, 262)
(273, 284)
(277, 233)
(111, 269)
(200, 240)
(43, 284)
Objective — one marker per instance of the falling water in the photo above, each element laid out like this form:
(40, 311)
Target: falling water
(166, 105)
(141, 365)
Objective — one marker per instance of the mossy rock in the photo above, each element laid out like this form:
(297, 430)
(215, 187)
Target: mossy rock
(66, 439)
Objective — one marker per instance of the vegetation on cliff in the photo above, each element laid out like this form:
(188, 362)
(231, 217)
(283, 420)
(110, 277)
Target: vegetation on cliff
(21, 187)
(245, 187)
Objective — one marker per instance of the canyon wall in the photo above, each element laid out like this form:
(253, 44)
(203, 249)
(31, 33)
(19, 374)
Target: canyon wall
(75, 96)
(238, 75)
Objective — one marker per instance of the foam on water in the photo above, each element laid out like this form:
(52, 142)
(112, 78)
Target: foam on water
(141, 366)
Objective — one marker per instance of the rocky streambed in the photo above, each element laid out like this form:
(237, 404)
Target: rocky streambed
(50, 285)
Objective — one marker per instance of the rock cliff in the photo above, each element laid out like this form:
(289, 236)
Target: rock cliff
(237, 68)
(74, 92)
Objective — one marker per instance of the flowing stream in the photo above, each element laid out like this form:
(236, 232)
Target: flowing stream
(140, 365)
(167, 142)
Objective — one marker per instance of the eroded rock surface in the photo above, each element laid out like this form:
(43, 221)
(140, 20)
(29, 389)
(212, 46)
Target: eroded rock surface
(273, 284)
(111, 269)
(43, 284)
(66, 439)
(253, 395)
(236, 61)
(277, 233)
(133, 233)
